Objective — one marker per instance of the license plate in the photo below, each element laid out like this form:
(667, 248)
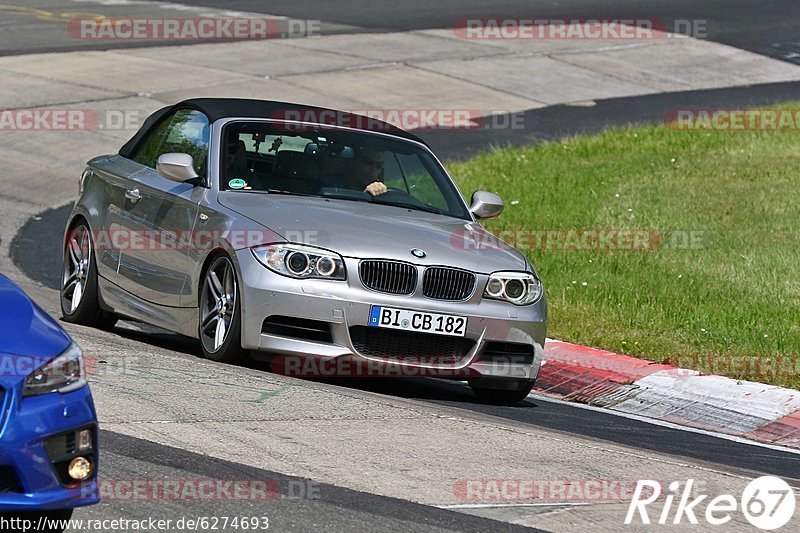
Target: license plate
(389, 317)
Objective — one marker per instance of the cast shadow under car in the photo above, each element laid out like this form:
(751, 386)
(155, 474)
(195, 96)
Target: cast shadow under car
(415, 388)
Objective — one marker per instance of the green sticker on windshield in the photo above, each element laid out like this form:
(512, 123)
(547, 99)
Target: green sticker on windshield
(237, 184)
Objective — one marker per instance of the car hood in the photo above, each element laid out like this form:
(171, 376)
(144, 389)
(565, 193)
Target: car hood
(29, 337)
(366, 230)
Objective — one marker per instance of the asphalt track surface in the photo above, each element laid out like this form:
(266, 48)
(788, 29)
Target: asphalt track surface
(36, 251)
(291, 503)
(536, 412)
(769, 27)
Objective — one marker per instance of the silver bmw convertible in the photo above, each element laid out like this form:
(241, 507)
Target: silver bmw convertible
(304, 235)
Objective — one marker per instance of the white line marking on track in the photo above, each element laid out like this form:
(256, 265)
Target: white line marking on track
(502, 505)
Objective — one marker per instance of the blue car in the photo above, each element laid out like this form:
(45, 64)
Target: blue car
(48, 424)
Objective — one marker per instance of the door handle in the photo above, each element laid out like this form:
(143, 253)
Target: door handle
(133, 195)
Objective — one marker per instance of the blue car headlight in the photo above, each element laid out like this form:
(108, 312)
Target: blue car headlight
(64, 373)
(519, 288)
(301, 261)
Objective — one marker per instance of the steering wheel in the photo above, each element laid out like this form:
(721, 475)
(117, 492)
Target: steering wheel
(396, 191)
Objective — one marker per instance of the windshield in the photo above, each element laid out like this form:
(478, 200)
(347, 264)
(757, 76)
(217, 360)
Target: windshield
(347, 165)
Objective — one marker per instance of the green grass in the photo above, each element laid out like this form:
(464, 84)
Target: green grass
(729, 306)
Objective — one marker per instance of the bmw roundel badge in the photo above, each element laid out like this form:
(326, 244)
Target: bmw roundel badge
(416, 252)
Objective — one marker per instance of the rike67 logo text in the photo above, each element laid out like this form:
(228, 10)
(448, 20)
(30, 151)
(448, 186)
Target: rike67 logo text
(768, 503)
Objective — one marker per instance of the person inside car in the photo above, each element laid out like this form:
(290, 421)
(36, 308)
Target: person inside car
(368, 171)
(362, 173)
(236, 158)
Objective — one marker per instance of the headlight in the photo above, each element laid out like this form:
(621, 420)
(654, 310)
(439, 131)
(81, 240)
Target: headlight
(519, 288)
(300, 261)
(65, 373)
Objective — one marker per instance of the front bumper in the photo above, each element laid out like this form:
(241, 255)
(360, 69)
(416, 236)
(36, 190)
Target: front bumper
(25, 427)
(343, 305)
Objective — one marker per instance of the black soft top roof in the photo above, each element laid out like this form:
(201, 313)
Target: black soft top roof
(219, 108)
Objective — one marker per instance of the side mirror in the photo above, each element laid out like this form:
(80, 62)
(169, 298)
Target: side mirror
(486, 205)
(176, 167)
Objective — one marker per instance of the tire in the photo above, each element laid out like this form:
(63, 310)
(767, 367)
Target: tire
(509, 395)
(219, 324)
(79, 294)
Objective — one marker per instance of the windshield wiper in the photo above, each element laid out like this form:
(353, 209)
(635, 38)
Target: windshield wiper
(290, 193)
(426, 208)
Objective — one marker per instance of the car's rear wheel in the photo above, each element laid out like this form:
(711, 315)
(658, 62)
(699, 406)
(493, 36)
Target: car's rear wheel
(220, 321)
(499, 392)
(80, 302)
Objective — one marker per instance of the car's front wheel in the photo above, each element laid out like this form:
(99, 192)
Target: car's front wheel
(220, 321)
(80, 299)
(501, 392)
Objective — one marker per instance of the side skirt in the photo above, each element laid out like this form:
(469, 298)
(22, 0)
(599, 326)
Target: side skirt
(181, 320)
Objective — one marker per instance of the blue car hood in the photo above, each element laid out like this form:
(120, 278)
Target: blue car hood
(25, 329)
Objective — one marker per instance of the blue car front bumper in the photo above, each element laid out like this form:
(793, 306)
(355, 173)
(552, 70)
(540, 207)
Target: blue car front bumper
(30, 479)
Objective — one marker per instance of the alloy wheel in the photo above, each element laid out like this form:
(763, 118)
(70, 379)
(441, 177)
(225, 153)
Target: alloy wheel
(76, 267)
(217, 304)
